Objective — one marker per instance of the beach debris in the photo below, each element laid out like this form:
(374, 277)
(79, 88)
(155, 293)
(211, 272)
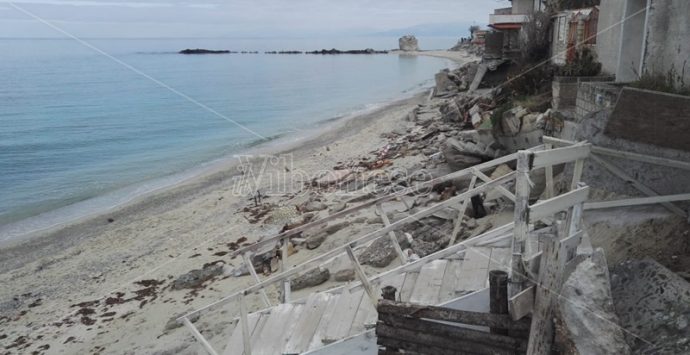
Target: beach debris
(313, 206)
(337, 207)
(332, 177)
(196, 278)
(381, 252)
(511, 121)
(344, 275)
(312, 278)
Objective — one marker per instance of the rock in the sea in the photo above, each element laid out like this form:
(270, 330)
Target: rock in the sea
(203, 51)
(344, 275)
(408, 43)
(312, 278)
(586, 308)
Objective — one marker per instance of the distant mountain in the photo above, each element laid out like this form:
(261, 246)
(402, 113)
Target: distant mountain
(454, 29)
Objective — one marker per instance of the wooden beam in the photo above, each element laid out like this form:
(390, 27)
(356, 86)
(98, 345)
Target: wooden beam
(557, 204)
(521, 218)
(362, 276)
(450, 315)
(439, 341)
(461, 214)
(548, 172)
(250, 266)
(391, 234)
(207, 346)
(626, 155)
(548, 287)
(560, 155)
(509, 195)
(521, 304)
(244, 323)
(636, 184)
(424, 326)
(636, 201)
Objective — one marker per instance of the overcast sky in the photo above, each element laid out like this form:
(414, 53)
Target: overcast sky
(234, 18)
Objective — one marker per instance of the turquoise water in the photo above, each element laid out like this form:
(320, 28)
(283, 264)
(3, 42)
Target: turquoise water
(76, 125)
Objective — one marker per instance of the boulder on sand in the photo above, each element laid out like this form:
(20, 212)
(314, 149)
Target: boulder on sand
(196, 278)
(312, 278)
(408, 43)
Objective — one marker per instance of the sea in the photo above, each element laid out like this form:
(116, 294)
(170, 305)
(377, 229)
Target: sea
(87, 125)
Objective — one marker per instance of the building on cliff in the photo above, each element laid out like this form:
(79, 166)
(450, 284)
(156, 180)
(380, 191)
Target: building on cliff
(644, 36)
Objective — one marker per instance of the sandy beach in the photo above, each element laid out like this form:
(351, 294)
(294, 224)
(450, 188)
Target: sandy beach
(102, 284)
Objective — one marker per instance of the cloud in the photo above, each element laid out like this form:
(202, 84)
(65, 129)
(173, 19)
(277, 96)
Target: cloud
(90, 3)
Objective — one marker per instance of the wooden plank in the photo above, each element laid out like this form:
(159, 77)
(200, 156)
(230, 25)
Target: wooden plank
(636, 201)
(271, 336)
(391, 234)
(408, 286)
(439, 341)
(207, 346)
(361, 275)
(548, 284)
(461, 214)
(328, 312)
(521, 304)
(560, 155)
(452, 331)
(636, 184)
(521, 220)
(307, 323)
(577, 173)
(236, 341)
(642, 158)
(451, 315)
(365, 318)
(569, 246)
(500, 259)
(507, 194)
(343, 316)
(450, 281)
(549, 175)
(250, 266)
(474, 271)
(429, 283)
(256, 334)
(557, 204)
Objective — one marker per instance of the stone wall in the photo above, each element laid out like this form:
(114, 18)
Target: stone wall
(595, 105)
(564, 90)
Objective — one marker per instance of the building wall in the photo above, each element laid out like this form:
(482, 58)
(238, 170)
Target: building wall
(668, 38)
(609, 36)
(523, 6)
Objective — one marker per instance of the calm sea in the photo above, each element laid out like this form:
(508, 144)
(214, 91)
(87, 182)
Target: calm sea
(81, 131)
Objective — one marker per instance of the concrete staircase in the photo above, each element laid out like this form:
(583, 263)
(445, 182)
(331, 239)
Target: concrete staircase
(327, 317)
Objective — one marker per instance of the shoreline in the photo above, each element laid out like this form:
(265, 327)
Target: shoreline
(159, 237)
(202, 171)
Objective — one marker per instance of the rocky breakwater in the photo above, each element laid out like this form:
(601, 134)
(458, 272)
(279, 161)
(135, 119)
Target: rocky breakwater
(353, 51)
(203, 51)
(408, 43)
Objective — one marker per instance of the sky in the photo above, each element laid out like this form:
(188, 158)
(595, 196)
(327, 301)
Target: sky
(237, 18)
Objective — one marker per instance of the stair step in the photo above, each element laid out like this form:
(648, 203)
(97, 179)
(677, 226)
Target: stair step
(408, 286)
(271, 336)
(323, 323)
(429, 282)
(474, 272)
(236, 342)
(450, 280)
(343, 316)
(307, 323)
(365, 317)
